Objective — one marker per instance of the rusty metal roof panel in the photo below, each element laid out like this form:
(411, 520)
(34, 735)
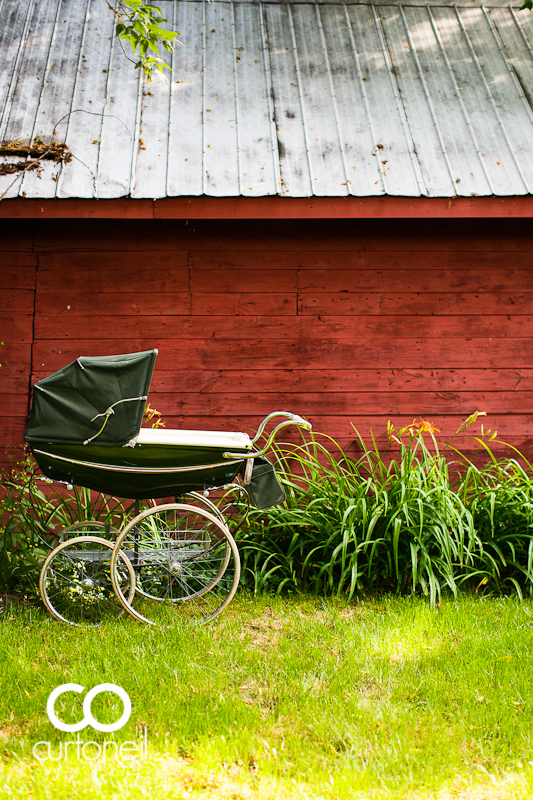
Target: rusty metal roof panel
(290, 98)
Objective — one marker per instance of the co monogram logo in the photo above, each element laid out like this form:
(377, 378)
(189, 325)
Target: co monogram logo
(88, 718)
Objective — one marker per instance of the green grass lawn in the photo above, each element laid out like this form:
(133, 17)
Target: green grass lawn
(283, 698)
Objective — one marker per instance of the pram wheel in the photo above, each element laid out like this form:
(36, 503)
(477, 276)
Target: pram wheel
(186, 564)
(88, 528)
(230, 504)
(75, 581)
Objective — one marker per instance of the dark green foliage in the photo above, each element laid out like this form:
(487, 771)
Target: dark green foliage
(33, 514)
(139, 24)
(406, 518)
(394, 521)
(21, 549)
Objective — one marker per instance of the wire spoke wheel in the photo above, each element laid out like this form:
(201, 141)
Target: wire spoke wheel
(186, 564)
(230, 504)
(75, 581)
(102, 530)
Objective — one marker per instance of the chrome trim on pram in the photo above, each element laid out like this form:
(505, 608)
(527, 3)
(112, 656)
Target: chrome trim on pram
(142, 471)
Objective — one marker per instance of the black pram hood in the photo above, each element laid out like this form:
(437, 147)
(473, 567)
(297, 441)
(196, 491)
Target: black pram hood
(100, 400)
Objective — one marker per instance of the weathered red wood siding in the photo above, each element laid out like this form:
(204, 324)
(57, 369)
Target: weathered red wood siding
(18, 263)
(341, 321)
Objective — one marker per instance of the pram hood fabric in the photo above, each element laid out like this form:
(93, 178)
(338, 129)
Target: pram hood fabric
(101, 398)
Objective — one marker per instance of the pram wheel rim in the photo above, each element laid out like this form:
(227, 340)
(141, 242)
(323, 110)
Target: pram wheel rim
(222, 533)
(90, 523)
(58, 552)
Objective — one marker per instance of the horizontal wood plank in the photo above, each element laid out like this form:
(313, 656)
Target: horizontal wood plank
(111, 303)
(13, 383)
(136, 235)
(218, 321)
(267, 280)
(499, 280)
(12, 277)
(342, 380)
(15, 358)
(16, 328)
(343, 403)
(344, 426)
(242, 304)
(414, 303)
(355, 259)
(496, 240)
(385, 209)
(13, 405)
(197, 235)
(115, 259)
(18, 301)
(16, 259)
(104, 280)
(305, 354)
(11, 440)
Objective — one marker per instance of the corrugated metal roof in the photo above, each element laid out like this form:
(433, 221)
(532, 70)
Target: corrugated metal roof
(293, 98)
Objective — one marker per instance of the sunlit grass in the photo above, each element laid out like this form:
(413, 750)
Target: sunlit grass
(286, 698)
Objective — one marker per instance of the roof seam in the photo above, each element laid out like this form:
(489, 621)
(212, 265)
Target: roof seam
(428, 97)
(333, 99)
(269, 90)
(136, 133)
(401, 108)
(302, 109)
(104, 109)
(76, 82)
(491, 98)
(170, 93)
(359, 74)
(508, 64)
(43, 85)
(236, 98)
(521, 30)
(203, 94)
(459, 98)
(4, 116)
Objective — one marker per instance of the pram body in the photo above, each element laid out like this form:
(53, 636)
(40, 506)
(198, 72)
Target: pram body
(159, 463)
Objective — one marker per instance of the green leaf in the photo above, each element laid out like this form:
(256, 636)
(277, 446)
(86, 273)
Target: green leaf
(139, 24)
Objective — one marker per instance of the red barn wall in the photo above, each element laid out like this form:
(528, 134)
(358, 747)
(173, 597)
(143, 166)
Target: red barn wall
(18, 267)
(344, 322)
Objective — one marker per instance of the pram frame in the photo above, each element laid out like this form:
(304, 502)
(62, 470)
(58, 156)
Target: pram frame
(221, 584)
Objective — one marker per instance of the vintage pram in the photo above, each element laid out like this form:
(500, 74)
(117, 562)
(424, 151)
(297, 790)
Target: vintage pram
(176, 561)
